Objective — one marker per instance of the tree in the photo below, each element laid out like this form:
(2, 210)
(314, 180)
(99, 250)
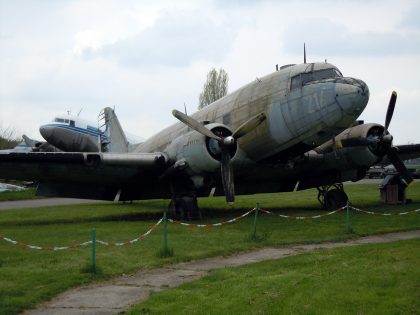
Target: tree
(8, 138)
(215, 87)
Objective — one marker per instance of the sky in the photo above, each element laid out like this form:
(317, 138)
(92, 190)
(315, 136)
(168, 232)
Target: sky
(146, 58)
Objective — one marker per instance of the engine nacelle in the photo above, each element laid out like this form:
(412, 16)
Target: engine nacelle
(336, 166)
(359, 131)
(201, 154)
(350, 158)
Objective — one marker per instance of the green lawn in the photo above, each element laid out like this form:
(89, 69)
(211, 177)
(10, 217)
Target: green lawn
(29, 277)
(18, 195)
(367, 279)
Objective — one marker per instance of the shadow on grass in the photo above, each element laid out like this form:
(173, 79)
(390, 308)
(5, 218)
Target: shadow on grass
(208, 214)
(130, 217)
(93, 270)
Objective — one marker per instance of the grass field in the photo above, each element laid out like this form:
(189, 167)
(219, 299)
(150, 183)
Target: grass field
(18, 195)
(29, 277)
(368, 279)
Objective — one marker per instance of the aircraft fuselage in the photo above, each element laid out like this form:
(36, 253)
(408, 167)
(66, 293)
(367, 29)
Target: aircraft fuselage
(301, 114)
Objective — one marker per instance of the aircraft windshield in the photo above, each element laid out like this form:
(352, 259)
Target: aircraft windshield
(61, 120)
(305, 78)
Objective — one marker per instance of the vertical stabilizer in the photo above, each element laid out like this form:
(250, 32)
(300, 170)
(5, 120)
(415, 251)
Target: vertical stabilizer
(117, 141)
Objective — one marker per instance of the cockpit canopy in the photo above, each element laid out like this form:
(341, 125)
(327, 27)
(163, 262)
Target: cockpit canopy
(64, 121)
(308, 77)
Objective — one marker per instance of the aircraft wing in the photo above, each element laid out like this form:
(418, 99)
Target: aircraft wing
(408, 151)
(88, 175)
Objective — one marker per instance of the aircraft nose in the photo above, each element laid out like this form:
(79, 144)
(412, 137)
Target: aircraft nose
(46, 132)
(352, 95)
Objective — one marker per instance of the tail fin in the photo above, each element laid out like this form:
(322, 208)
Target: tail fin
(117, 141)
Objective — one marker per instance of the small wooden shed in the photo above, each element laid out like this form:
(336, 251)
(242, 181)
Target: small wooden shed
(393, 189)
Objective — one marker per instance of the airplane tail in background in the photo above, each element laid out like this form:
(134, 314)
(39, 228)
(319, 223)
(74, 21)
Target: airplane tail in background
(116, 139)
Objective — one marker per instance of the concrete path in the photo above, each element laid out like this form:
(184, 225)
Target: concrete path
(34, 203)
(122, 292)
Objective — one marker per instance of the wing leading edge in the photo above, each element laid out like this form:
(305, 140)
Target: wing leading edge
(89, 175)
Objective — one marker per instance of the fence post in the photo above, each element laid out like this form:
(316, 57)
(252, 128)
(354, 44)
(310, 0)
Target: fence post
(165, 233)
(254, 228)
(348, 223)
(93, 235)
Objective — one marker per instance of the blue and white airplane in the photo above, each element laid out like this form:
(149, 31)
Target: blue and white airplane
(71, 133)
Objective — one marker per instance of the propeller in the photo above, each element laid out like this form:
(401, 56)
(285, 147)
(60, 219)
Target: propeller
(383, 142)
(225, 143)
(390, 110)
(386, 138)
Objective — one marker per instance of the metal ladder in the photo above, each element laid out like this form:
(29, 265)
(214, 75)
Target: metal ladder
(102, 126)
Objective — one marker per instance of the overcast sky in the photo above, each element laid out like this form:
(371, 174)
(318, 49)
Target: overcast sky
(149, 57)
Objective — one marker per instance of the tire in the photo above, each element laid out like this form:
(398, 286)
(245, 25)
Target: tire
(335, 199)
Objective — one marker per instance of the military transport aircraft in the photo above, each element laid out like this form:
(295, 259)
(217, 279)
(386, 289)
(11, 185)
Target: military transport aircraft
(293, 129)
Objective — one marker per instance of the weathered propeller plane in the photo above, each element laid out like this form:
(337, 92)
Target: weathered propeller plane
(293, 129)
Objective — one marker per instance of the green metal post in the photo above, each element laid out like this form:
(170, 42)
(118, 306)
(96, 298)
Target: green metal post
(254, 228)
(348, 223)
(93, 234)
(165, 232)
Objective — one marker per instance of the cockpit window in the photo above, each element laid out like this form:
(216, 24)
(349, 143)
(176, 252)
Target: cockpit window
(296, 82)
(61, 120)
(305, 78)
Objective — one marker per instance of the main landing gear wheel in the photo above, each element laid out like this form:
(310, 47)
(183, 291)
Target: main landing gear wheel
(332, 197)
(184, 208)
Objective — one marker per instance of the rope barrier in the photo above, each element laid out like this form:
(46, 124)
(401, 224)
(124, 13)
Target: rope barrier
(144, 235)
(304, 217)
(212, 224)
(384, 214)
(58, 248)
(141, 237)
(52, 248)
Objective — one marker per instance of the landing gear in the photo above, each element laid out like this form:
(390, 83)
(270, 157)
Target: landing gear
(332, 197)
(184, 208)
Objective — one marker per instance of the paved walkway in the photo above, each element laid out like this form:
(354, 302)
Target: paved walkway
(122, 292)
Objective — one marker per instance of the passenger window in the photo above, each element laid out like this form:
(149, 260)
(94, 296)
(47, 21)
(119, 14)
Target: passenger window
(72, 123)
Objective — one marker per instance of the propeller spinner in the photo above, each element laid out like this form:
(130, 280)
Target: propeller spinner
(225, 143)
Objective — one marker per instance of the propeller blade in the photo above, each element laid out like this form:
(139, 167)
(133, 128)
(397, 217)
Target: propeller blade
(249, 125)
(399, 165)
(390, 110)
(227, 176)
(194, 124)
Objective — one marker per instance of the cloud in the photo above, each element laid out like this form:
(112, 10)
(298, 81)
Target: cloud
(177, 39)
(412, 18)
(326, 38)
(148, 58)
